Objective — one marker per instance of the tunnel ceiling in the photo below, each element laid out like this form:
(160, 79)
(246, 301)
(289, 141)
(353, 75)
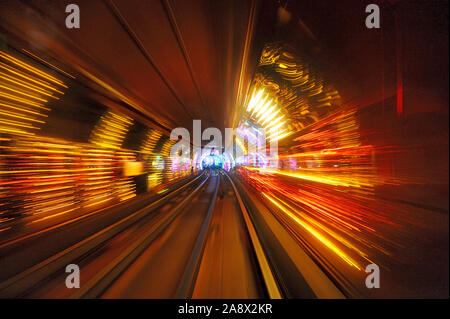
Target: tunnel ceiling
(173, 61)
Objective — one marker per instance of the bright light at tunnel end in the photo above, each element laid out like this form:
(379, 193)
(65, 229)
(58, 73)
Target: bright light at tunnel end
(245, 145)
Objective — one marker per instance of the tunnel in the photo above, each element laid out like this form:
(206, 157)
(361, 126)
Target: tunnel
(233, 149)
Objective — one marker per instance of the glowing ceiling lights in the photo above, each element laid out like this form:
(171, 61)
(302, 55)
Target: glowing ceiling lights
(153, 162)
(111, 130)
(265, 112)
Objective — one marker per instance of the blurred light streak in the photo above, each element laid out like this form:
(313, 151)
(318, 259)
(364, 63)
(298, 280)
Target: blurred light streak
(162, 191)
(47, 63)
(51, 177)
(23, 96)
(329, 177)
(50, 216)
(316, 234)
(31, 69)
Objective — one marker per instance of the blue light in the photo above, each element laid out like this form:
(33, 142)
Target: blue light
(212, 161)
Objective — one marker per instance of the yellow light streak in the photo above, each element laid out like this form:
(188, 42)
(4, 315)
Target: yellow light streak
(16, 115)
(19, 99)
(267, 113)
(260, 104)
(29, 78)
(263, 109)
(20, 124)
(270, 117)
(279, 137)
(254, 100)
(274, 122)
(48, 63)
(274, 128)
(29, 87)
(316, 234)
(276, 133)
(31, 69)
(22, 109)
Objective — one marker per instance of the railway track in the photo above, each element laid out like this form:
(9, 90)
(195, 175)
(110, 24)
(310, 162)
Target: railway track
(24, 282)
(199, 241)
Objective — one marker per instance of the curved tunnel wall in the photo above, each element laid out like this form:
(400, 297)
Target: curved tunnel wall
(61, 154)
